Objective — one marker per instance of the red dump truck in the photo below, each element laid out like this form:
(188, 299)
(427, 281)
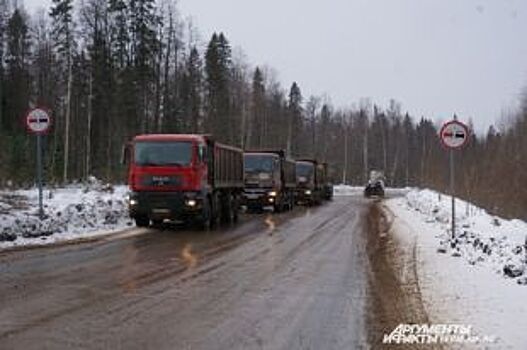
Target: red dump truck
(270, 180)
(189, 178)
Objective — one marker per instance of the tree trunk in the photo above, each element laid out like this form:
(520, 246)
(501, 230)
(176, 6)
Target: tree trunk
(289, 135)
(67, 122)
(365, 152)
(345, 168)
(88, 132)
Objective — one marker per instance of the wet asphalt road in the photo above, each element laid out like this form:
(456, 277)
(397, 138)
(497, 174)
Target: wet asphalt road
(297, 280)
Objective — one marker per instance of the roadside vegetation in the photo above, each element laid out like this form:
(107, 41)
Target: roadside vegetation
(110, 69)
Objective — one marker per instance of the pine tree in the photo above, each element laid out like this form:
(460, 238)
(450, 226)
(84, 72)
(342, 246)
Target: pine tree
(295, 120)
(17, 70)
(145, 46)
(257, 123)
(193, 95)
(312, 106)
(217, 69)
(17, 97)
(3, 23)
(61, 14)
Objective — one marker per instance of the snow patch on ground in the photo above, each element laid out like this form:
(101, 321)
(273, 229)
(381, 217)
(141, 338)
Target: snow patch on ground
(481, 238)
(475, 279)
(72, 212)
(347, 190)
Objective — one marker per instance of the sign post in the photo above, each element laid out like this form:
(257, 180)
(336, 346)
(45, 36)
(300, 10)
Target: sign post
(454, 135)
(38, 122)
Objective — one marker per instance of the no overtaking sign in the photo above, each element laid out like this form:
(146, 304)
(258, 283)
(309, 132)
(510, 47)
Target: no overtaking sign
(38, 121)
(454, 134)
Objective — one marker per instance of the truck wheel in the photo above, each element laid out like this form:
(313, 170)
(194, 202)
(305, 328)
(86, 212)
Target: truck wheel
(205, 222)
(157, 223)
(279, 207)
(291, 201)
(236, 209)
(227, 210)
(142, 221)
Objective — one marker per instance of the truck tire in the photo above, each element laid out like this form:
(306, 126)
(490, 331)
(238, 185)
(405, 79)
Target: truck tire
(205, 222)
(227, 210)
(236, 208)
(142, 221)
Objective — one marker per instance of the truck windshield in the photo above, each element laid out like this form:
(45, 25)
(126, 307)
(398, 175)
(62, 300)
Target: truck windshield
(304, 170)
(259, 163)
(163, 153)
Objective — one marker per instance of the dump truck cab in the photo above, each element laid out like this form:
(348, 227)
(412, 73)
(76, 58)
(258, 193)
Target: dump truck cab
(269, 180)
(309, 190)
(183, 178)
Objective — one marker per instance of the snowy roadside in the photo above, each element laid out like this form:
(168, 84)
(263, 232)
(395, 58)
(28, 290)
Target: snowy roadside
(477, 279)
(71, 213)
(346, 190)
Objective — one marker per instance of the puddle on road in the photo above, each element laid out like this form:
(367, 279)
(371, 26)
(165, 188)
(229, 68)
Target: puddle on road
(189, 258)
(271, 225)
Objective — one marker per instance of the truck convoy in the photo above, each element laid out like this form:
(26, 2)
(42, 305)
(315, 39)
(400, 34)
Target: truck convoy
(196, 180)
(270, 180)
(310, 183)
(188, 178)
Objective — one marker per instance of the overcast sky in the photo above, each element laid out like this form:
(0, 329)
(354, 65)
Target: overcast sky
(436, 57)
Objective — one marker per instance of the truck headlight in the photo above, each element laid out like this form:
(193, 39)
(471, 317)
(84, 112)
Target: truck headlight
(191, 202)
(133, 202)
(308, 192)
(272, 194)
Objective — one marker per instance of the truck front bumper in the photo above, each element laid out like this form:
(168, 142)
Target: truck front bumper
(180, 206)
(305, 196)
(259, 198)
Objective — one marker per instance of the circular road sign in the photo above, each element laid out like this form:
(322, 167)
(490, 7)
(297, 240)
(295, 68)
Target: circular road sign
(454, 134)
(38, 121)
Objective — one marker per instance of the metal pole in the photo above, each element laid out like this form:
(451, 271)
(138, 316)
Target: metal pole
(453, 193)
(39, 176)
(345, 170)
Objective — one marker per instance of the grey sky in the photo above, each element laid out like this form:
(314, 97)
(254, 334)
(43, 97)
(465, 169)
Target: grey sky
(436, 57)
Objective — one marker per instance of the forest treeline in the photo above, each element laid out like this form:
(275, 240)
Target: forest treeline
(110, 69)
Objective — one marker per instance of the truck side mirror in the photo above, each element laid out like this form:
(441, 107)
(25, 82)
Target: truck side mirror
(125, 156)
(202, 154)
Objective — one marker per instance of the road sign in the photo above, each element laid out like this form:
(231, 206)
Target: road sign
(38, 121)
(454, 134)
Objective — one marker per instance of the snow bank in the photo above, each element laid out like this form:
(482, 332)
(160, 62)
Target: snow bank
(481, 238)
(475, 279)
(71, 212)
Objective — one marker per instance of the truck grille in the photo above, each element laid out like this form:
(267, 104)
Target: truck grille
(161, 180)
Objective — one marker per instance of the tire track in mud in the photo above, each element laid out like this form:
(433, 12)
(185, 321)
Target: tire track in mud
(395, 295)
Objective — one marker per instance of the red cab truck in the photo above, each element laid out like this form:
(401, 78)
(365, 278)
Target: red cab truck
(270, 180)
(188, 178)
